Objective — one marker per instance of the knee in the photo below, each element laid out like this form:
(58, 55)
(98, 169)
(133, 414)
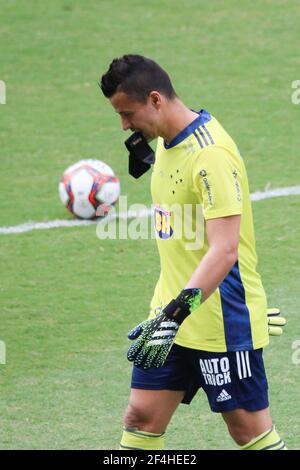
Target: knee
(134, 418)
(240, 434)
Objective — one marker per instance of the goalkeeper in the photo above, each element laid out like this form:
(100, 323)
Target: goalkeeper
(208, 323)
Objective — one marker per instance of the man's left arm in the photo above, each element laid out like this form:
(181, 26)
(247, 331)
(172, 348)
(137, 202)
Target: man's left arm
(154, 338)
(223, 236)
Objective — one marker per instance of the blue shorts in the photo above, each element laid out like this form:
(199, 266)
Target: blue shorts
(231, 380)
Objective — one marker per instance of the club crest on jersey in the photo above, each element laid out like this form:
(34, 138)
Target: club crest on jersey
(162, 222)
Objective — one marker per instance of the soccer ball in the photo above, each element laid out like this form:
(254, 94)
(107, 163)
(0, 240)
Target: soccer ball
(89, 188)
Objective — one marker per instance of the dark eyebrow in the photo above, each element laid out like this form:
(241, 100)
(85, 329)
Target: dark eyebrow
(124, 112)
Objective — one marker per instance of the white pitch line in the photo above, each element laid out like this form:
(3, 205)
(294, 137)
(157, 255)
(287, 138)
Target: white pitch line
(27, 227)
(260, 195)
(71, 223)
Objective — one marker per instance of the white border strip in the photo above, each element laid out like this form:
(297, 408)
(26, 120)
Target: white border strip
(257, 196)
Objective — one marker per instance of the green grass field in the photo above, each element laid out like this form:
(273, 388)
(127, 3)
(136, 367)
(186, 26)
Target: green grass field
(68, 299)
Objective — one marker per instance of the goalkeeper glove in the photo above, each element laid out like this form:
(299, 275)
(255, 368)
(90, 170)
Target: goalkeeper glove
(275, 322)
(141, 155)
(155, 337)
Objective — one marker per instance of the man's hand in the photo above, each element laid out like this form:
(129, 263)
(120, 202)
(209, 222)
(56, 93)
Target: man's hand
(275, 322)
(155, 337)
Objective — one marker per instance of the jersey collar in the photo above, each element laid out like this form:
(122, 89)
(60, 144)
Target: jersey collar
(203, 117)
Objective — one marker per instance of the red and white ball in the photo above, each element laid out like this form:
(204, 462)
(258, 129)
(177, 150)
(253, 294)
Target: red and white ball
(89, 188)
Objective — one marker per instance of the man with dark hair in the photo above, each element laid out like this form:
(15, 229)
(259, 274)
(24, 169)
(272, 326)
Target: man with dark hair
(208, 322)
(137, 76)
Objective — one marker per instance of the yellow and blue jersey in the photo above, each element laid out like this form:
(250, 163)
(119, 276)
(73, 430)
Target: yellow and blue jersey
(199, 176)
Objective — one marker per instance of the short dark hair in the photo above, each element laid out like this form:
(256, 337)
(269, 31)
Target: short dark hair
(136, 76)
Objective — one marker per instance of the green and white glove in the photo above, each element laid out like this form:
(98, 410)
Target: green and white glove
(154, 338)
(275, 322)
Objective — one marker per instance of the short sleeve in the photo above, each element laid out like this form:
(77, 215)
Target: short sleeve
(217, 179)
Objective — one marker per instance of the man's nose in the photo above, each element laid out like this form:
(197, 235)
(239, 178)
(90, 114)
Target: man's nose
(125, 124)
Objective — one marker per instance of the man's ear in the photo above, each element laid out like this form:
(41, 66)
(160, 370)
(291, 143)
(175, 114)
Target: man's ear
(155, 99)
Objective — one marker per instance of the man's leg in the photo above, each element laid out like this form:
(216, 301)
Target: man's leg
(236, 386)
(155, 395)
(147, 417)
(253, 430)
